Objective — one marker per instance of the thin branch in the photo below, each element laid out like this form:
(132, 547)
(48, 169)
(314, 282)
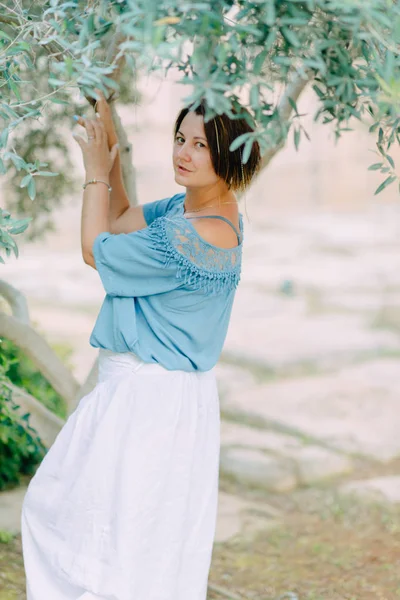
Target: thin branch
(127, 168)
(52, 48)
(8, 20)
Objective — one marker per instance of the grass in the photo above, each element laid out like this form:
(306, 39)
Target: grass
(12, 576)
(327, 547)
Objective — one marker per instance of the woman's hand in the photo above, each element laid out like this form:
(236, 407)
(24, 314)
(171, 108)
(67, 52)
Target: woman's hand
(97, 158)
(104, 110)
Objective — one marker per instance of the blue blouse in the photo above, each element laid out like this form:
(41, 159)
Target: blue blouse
(169, 293)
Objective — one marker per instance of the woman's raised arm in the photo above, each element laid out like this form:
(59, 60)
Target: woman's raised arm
(119, 201)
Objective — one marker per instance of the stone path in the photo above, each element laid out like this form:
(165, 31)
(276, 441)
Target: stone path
(310, 374)
(309, 378)
(352, 410)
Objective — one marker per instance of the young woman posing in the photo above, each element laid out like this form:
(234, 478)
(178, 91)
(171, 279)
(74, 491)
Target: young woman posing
(124, 504)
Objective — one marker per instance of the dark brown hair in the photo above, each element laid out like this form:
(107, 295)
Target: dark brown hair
(220, 131)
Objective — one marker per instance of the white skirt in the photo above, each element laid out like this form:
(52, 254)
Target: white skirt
(124, 503)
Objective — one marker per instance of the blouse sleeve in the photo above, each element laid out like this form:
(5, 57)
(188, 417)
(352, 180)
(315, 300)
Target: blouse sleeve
(166, 255)
(158, 208)
(133, 264)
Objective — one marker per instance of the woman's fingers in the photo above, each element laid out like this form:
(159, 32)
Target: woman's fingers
(80, 120)
(100, 130)
(104, 110)
(102, 99)
(94, 128)
(101, 105)
(90, 128)
(84, 121)
(99, 93)
(103, 121)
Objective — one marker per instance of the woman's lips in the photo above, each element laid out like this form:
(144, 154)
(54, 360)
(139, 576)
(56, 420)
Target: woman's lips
(183, 170)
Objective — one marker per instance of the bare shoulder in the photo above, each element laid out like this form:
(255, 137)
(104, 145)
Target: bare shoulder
(217, 232)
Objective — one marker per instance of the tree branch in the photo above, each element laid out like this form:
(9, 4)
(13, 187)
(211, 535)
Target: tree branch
(38, 350)
(51, 48)
(58, 53)
(16, 300)
(8, 20)
(294, 90)
(127, 168)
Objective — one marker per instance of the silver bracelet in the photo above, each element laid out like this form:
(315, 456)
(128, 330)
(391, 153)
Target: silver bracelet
(97, 181)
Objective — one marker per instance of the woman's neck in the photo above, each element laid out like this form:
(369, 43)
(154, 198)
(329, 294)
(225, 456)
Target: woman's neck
(197, 198)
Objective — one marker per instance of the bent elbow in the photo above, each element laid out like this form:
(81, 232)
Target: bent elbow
(88, 258)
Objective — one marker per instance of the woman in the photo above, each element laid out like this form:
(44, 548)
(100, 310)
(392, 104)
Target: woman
(124, 504)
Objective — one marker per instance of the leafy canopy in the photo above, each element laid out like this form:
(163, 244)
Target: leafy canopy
(253, 52)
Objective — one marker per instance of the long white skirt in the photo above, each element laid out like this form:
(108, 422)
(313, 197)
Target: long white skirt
(124, 503)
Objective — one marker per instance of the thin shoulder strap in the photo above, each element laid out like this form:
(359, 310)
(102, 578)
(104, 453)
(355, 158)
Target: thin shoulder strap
(223, 219)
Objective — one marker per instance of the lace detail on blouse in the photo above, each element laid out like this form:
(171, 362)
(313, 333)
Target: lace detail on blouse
(200, 264)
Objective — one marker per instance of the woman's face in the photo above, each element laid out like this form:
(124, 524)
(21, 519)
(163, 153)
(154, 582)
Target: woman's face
(192, 152)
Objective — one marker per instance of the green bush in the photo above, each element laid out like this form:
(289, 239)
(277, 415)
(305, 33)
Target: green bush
(21, 448)
(24, 374)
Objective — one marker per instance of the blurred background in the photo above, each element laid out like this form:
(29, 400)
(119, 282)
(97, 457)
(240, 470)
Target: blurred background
(321, 277)
(309, 377)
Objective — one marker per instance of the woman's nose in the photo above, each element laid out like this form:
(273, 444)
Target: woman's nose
(184, 153)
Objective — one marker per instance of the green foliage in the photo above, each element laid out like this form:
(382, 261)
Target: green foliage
(6, 537)
(49, 180)
(8, 228)
(24, 374)
(226, 50)
(20, 446)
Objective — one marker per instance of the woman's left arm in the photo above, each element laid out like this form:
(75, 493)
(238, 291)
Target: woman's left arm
(98, 162)
(95, 215)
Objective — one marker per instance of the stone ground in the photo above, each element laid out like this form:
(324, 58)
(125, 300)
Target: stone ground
(309, 384)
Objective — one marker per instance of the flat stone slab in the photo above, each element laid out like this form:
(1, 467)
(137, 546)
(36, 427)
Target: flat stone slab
(252, 467)
(315, 464)
(355, 410)
(237, 516)
(381, 489)
(234, 434)
(310, 463)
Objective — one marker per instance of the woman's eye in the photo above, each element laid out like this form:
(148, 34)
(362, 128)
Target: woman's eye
(180, 138)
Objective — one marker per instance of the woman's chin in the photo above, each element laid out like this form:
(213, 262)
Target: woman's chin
(179, 178)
